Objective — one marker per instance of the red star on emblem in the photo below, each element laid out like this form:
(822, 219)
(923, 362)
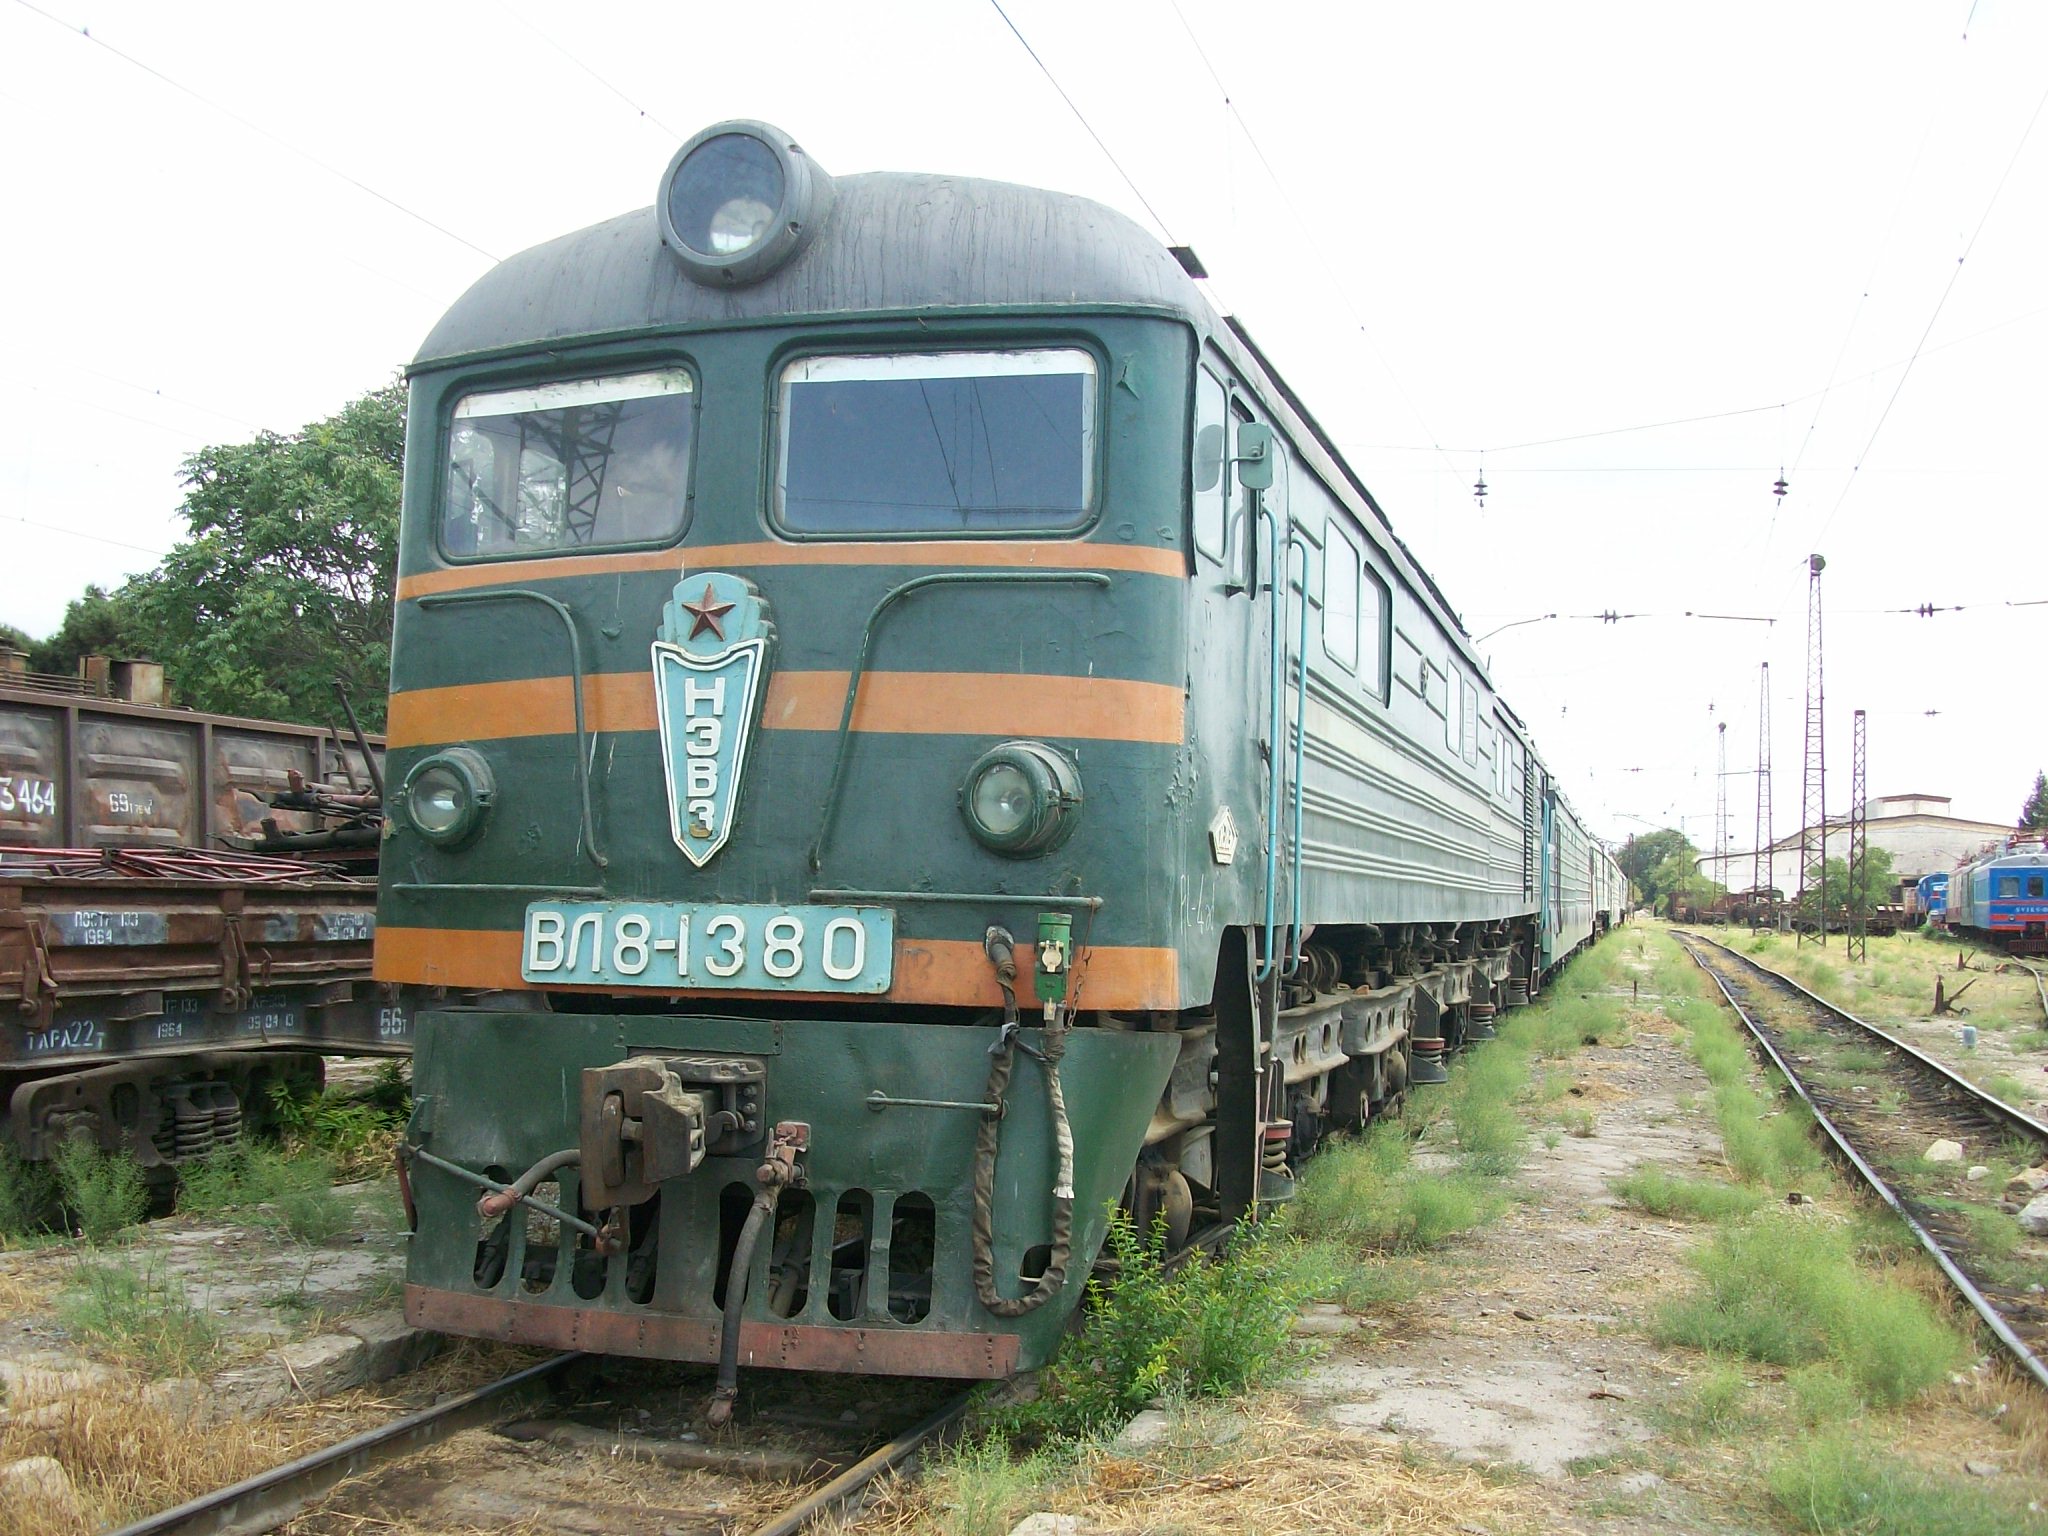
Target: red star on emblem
(707, 611)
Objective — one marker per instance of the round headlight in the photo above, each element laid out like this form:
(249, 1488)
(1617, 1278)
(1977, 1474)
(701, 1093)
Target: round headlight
(1022, 798)
(739, 201)
(448, 796)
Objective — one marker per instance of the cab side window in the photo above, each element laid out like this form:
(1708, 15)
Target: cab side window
(1211, 463)
(1340, 599)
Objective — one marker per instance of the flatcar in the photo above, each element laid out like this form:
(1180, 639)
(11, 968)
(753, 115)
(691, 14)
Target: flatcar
(169, 956)
(2001, 897)
(914, 735)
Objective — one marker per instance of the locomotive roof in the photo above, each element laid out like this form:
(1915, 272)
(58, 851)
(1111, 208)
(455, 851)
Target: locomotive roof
(893, 241)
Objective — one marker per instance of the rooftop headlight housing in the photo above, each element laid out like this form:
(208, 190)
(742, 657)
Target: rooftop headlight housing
(448, 796)
(1022, 798)
(739, 201)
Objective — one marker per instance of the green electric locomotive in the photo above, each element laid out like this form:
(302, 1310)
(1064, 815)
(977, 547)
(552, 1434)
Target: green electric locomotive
(904, 735)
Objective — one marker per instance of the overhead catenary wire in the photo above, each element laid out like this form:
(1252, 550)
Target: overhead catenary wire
(1927, 330)
(1082, 118)
(674, 135)
(1336, 282)
(1687, 421)
(80, 533)
(256, 128)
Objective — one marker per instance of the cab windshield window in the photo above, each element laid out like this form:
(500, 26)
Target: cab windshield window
(580, 465)
(946, 442)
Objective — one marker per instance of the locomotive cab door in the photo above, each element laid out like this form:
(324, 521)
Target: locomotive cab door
(1229, 734)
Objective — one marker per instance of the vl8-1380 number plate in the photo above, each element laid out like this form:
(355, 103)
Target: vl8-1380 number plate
(678, 946)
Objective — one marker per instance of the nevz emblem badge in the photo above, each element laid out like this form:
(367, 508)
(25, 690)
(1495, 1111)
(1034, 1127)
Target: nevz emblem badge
(711, 659)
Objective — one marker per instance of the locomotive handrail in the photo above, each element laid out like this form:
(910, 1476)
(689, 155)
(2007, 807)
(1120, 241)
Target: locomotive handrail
(867, 642)
(561, 611)
(1279, 585)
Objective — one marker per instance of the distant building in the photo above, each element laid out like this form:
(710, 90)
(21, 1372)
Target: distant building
(1916, 830)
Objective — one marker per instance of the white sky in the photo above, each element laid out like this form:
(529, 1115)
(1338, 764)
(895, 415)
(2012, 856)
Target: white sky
(1493, 224)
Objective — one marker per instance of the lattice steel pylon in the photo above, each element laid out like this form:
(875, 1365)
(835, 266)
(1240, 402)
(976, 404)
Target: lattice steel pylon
(1761, 872)
(1721, 808)
(1859, 842)
(1813, 814)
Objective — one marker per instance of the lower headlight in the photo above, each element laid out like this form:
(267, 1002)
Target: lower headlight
(1022, 798)
(448, 796)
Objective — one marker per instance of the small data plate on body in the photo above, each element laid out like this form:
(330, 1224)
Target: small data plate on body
(681, 946)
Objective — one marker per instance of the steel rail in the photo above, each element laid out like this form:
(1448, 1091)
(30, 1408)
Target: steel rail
(1998, 1109)
(267, 1500)
(856, 1477)
(1993, 1318)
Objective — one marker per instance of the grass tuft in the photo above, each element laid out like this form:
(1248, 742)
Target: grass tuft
(138, 1316)
(1787, 1291)
(1662, 1193)
(1212, 1328)
(1716, 1404)
(28, 1194)
(982, 1487)
(1831, 1483)
(101, 1193)
(291, 1193)
(1368, 1193)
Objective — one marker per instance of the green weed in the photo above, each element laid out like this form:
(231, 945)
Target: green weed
(355, 1134)
(1212, 1328)
(1368, 1194)
(1491, 1136)
(1662, 1193)
(101, 1193)
(1321, 1270)
(1716, 1404)
(1821, 1394)
(28, 1194)
(140, 1317)
(293, 1193)
(982, 1487)
(2003, 1085)
(1833, 1484)
(1787, 1291)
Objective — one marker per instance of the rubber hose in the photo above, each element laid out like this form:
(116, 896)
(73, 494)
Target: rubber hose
(728, 1389)
(1055, 1275)
(500, 1201)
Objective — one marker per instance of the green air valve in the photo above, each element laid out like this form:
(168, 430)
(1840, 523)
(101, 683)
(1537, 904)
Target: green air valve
(1055, 949)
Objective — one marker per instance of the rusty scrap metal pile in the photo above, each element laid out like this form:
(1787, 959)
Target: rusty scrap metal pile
(193, 864)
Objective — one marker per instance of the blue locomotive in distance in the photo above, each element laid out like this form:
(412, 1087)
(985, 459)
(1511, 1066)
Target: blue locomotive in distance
(1927, 900)
(2001, 896)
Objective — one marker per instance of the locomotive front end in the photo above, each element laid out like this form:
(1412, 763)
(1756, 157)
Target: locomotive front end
(788, 684)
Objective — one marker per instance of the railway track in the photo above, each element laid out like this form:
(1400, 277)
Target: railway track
(823, 1476)
(1883, 1103)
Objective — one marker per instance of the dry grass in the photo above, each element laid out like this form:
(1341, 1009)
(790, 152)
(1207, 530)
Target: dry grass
(474, 1482)
(1292, 1475)
(127, 1457)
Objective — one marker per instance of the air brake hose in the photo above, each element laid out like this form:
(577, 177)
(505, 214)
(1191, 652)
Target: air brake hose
(498, 1202)
(719, 1412)
(987, 1140)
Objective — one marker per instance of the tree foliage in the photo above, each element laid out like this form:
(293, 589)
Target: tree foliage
(2034, 814)
(284, 581)
(1872, 890)
(1661, 863)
